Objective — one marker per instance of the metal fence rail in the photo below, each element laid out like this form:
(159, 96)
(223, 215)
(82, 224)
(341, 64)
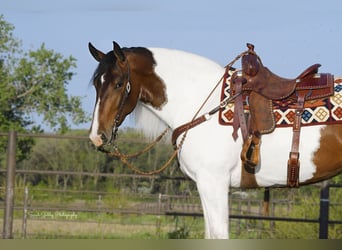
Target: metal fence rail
(157, 205)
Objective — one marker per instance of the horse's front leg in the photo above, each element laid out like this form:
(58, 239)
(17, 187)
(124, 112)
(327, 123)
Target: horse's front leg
(213, 191)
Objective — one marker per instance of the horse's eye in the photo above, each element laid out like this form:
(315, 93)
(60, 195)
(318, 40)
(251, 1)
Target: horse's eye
(119, 85)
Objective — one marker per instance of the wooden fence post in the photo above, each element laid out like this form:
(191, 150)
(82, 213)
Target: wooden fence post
(25, 215)
(10, 180)
(158, 221)
(324, 211)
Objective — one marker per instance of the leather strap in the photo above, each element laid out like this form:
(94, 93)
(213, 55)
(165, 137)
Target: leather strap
(239, 115)
(178, 131)
(293, 163)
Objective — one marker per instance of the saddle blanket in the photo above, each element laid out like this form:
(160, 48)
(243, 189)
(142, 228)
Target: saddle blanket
(317, 112)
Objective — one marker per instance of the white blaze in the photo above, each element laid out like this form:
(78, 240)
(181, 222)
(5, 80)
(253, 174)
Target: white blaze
(94, 136)
(103, 78)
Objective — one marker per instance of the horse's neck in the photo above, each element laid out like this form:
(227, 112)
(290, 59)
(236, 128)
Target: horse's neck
(189, 79)
(146, 120)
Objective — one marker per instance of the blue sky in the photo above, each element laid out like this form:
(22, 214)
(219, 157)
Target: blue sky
(288, 35)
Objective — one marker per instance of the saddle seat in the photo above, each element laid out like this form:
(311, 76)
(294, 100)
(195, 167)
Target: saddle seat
(261, 87)
(270, 85)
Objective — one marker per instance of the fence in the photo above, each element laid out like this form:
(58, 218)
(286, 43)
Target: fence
(241, 208)
(36, 206)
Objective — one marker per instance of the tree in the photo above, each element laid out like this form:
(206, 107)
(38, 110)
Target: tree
(34, 82)
(64, 155)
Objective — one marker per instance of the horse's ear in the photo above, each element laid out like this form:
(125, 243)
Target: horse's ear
(98, 55)
(118, 52)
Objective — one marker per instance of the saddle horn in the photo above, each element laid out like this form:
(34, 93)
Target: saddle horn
(250, 63)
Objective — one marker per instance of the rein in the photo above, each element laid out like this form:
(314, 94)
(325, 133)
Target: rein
(125, 157)
(176, 133)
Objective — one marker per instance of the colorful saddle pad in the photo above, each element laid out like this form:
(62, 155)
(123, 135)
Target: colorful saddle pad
(317, 112)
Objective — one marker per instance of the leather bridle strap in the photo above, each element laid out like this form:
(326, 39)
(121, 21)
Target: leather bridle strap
(124, 97)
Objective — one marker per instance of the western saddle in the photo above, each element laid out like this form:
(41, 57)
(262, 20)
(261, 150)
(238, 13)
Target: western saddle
(259, 88)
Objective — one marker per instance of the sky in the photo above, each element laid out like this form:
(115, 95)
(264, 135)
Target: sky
(288, 35)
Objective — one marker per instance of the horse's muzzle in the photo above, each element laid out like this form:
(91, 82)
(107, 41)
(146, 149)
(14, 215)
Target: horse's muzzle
(96, 140)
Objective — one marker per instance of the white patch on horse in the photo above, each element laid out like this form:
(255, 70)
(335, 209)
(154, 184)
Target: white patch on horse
(148, 122)
(94, 136)
(274, 155)
(103, 78)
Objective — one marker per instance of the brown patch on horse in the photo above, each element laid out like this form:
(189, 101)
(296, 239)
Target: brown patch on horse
(328, 157)
(142, 63)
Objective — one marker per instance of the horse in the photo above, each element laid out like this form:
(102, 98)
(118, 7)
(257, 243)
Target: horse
(165, 88)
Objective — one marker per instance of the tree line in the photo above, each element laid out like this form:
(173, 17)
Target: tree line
(75, 155)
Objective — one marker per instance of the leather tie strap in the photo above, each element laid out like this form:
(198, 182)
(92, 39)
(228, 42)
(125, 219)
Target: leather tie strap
(293, 163)
(239, 114)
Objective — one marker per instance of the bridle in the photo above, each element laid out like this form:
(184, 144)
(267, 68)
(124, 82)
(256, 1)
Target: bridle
(123, 100)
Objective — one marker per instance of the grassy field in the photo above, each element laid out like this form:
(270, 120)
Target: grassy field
(43, 229)
(128, 227)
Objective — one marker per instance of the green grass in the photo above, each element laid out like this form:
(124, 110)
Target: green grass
(118, 227)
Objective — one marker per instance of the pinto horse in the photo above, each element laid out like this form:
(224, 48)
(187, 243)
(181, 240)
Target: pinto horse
(165, 88)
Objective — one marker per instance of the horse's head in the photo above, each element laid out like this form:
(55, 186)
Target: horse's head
(122, 77)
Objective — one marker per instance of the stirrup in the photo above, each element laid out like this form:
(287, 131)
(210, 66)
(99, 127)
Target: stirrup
(250, 154)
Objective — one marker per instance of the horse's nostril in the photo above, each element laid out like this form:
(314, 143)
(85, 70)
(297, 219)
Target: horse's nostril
(103, 137)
